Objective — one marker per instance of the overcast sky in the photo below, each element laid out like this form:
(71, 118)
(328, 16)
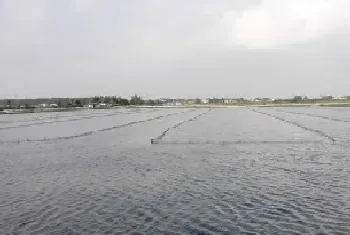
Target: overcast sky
(174, 48)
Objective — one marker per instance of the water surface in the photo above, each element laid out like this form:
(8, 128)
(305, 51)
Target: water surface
(230, 171)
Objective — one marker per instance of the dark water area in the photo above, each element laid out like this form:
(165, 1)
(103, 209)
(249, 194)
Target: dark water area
(220, 171)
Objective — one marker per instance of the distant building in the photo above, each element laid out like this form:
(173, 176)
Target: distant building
(216, 101)
(190, 101)
(103, 106)
(99, 106)
(300, 97)
(163, 101)
(205, 101)
(180, 101)
(43, 105)
(167, 101)
(327, 97)
(53, 105)
(230, 101)
(262, 99)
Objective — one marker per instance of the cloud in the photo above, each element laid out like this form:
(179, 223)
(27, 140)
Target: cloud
(25, 11)
(274, 23)
(84, 5)
(111, 45)
(23, 21)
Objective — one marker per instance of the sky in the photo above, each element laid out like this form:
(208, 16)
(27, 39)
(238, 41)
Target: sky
(174, 48)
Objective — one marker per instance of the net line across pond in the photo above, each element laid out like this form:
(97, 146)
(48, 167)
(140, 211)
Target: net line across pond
(88, 133)
(234, 142)
(160, 137)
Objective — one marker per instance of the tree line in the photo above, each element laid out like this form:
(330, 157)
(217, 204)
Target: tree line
(134, 100)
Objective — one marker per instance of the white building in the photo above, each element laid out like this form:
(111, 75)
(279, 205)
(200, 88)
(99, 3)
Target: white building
(43, 105)
(205, 101)
(230, 101)
(53, 106)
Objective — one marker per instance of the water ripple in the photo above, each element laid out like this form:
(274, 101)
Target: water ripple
(94, 186)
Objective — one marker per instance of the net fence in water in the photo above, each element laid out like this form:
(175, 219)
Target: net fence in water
(319, 132)
(233, 142)
(164, 133)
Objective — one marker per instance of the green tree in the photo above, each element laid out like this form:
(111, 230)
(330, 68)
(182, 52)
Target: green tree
(136, 100)
(107, 99)
(157, 102)
(124, 102)
(95, 100)
(9, 103)
(78, 103)
(150, 102)
(114, 100)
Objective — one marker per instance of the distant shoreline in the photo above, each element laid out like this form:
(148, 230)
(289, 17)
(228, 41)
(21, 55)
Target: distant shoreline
(40, 110)
(52, 110)
(245, 105)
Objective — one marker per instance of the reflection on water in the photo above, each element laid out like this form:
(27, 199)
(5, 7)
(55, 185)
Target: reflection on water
(272, 177)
